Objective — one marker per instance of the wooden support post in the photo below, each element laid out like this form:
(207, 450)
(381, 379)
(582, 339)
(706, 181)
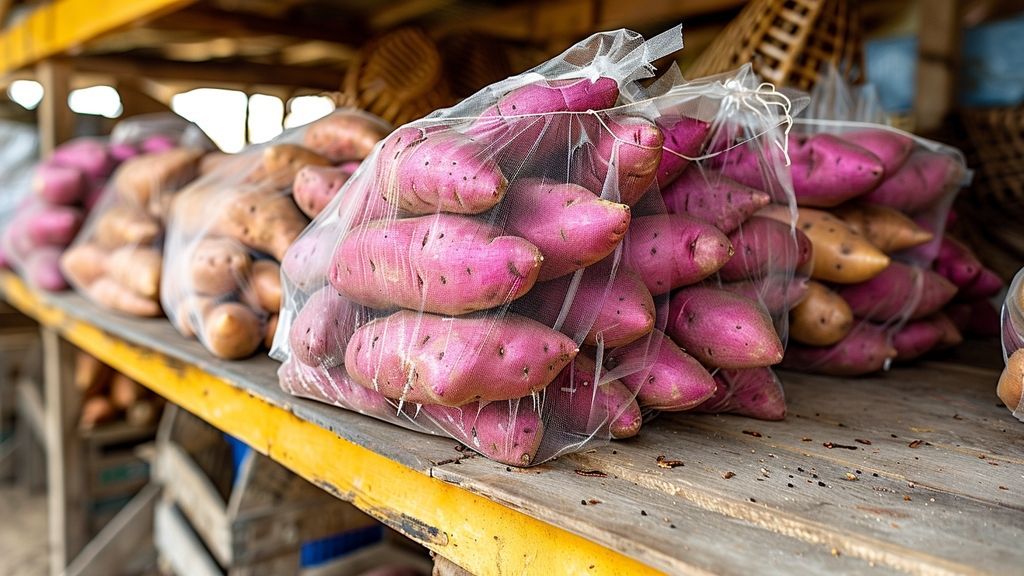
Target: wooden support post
(65, 491)
(938, 57)
(56, 121)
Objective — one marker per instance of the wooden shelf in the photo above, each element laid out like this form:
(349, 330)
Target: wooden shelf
(841, 485)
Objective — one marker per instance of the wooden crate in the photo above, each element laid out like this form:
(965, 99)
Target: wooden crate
(256, 526)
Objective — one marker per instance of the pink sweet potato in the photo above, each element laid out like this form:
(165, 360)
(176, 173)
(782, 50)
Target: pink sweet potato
(662, 376)
(322, 328)
(765, 246)
(544, 97)
(957, 263)
(754, 392)
(622, 162)
(615, 313)
(308, 258)
(669, 251)
(343, 137)
(53, 225)
(778, 294)
(508, 432)
(826, 170)
(315, 187)
(333, 386)
(607, 409)
(64, 185)
(90, 156)
(723, 329)
(571, 226)
(920, 183)
(684, 138)
(899, 291)
(986, 285)
(424, 171)
(445, 263)
(713, 198)
(866, 349)
(431, 359)
(42, 269)
(121, 152)
(891, 147)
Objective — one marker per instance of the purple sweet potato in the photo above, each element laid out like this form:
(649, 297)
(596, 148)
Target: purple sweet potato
(158, 143)
(957, 263)
(922, 181)
(662, 376)
(723, 329)
(754, 392)
(715, 199)
(986, 285)
(684, 138)
(765, 246)
(673, 250)
(951, 335)
(90, 156)
(917, 338)
(53, 225)
(622, 162)
(508, 432)
(891, 147)
(121, 152)
(778, 294)
(866, 349)
(423, 171)
(615, 313)
(322, 328)
(571, 95)
(445, 263)
(571, 226)
(430, 359)
(826, 170)
(606, 409)
(42, 269)
(64, 185)
(315, 187)
(901, 290)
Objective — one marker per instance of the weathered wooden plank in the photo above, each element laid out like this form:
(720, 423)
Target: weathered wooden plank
(179, 546)
(122, 538)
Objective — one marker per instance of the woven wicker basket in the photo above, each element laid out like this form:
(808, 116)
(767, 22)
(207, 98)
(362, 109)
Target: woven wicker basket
(789, 42)
(992, 209)
(398, 76)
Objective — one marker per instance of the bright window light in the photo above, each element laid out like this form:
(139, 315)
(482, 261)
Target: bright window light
(266, 114)
(96, 100)
(305, 109)
(220, 113)
(26, 93)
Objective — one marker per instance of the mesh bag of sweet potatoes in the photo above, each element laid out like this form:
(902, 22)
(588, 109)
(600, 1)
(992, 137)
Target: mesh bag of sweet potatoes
(1011, 383)
(537, 268)
(874, 202)
(228, 230)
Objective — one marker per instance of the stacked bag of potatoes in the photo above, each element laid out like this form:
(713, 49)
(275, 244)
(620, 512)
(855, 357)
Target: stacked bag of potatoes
(873, 201)
(228, 231)
(1011, 383)
(109, 396)
(505, 272)
(65, 188)
(117, 257)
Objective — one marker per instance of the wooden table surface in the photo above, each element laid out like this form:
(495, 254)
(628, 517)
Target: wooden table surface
(918, 470)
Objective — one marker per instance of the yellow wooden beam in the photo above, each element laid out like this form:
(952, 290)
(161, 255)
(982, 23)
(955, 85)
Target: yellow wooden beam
(64, 26)
(479, 534)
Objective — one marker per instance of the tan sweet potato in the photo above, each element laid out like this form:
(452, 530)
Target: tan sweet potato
(268, 338)
(91, 376)
(281, 162)
(138, 269)
(1011, 382)
(841, 254)
(342, 137)
(219, 266)
(214, 161)
(109, 293)
(822, 318)
(123, 224)
(190, 312)
(888, 229)
(232, 331)
(83, 264)
(266, 282)
(262, 218)
(124, 391)
(143, 179)
(95, 411)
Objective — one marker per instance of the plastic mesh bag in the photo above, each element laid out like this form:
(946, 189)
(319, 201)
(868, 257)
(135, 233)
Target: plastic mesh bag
(505, 271)
(229, 229)
(1011, 382)
(117, 257)
(19, 150)
(874, 201)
